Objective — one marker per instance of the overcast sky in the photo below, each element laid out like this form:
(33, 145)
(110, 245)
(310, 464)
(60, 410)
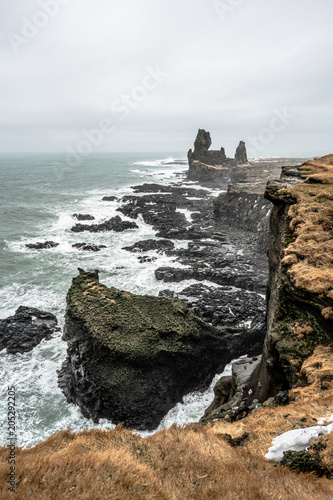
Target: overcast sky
(151, 72)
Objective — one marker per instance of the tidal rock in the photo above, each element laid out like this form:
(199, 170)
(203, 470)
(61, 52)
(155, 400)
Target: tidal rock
(146, 245)
(87, 247)
(146, 258)
(225, 276)
(131, 358)
(42, 245)
(114, 224)
(83, 217)
(109, 198)
(26, 329)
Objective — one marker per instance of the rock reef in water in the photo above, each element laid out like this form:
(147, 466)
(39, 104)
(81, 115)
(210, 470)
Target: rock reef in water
(131, 358)
(42, 245)
(114, 224)
(26, 329)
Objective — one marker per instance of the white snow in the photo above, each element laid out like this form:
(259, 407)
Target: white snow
(326, 420)
(295, 440)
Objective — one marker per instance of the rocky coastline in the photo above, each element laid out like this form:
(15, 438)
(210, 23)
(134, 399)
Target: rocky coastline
(132, 357)
(226, 238)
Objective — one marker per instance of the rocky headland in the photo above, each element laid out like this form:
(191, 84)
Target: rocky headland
(130, 357)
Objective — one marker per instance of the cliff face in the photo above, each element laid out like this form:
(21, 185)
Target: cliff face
(244, 207)
(300, 288)
(300, 285)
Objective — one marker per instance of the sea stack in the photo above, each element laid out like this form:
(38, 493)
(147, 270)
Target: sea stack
(212, 165)
(241, 155)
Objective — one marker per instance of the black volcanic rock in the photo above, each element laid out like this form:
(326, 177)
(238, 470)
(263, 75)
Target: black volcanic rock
(201, 151)
(109, 198)
(241, 155)
(146, 245)
(212, 165)
(42, 245)
(203, 141)
(222, 276)
(236, 312)
(146, 258)
(131, 358)
(26, 329)
(87, 247)
(83, 217)
(113, 224)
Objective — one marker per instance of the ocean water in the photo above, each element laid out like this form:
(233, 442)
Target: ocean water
(38, 196)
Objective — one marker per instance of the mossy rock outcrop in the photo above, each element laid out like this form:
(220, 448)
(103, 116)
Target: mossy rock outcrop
(131, 358)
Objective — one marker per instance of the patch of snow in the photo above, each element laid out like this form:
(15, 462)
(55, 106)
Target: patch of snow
(325, 420)
(295, 440)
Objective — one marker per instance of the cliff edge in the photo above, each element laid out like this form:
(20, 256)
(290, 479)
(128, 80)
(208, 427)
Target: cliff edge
(300, 286)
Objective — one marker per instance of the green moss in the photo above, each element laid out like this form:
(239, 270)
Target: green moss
(303, 461)
(135, 326)
(289, 238)
(288, 345)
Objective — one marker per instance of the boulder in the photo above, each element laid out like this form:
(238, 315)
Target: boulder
(26, 329)
(83, 217)
(109, 198)
(88, 247)
(42, 245)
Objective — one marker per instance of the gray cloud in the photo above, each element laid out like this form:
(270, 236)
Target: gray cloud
(227, 73)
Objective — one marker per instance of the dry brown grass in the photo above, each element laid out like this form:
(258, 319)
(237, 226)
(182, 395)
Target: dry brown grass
(194, 462)
(310, 255)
